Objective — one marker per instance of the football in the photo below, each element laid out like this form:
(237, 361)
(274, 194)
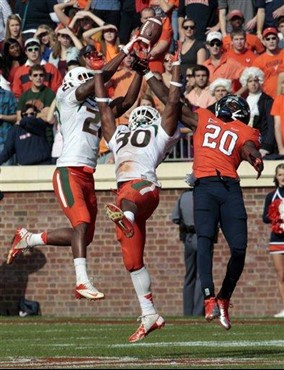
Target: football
(150, 31)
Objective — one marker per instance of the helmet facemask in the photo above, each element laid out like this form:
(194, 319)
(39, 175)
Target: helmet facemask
(143, 116)
(232, 108)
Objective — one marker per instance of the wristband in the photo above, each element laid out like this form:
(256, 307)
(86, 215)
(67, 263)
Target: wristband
(97, 71)
(176, 63)
(177, 84)
(102, 100)
(149, 75)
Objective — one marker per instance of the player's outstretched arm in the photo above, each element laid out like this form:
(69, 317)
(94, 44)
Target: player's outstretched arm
(111, 67)
(172, 107)
(107, 116)
(187, 117)
(250, 153)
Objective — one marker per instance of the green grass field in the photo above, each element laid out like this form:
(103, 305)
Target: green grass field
(47, 343)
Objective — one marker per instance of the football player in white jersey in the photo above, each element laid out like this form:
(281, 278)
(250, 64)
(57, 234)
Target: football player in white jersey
(138, 149)
(73, 179)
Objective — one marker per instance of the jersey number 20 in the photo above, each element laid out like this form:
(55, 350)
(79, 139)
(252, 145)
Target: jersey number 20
(225, 142)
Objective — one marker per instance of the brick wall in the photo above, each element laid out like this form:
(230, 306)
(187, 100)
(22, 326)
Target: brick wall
(47, 274)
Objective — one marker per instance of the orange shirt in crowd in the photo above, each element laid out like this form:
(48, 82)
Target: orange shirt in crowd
(278, 110)
(22, 82)
(271, 65)
(246, 58)
(252, 43)
(110, 53)
(227, 68)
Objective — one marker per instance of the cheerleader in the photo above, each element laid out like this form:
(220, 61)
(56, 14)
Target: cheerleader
(273, 213)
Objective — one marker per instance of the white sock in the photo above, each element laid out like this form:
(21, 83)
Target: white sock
(129, 215)
(142, 284)
(81, 270)
(35, 239)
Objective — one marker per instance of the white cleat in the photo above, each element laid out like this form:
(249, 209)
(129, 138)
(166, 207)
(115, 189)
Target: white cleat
(88, 291)
(19, 244)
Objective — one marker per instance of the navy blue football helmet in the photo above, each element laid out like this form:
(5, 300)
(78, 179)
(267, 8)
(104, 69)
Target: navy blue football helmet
(232, 108)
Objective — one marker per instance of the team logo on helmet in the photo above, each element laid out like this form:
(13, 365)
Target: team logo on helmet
(232, 108)
(143, 115)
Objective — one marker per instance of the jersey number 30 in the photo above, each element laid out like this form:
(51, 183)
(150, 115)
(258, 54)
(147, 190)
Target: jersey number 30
(225, 142)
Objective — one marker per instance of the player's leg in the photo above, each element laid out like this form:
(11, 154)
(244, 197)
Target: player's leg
(141, 199)
(74, 189)
(234, 227)
(206, 216)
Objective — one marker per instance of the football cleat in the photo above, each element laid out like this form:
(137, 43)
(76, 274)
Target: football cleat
(279, 314)
(116, 215)
(224, 318)
(211, 309)
(19, 244)
(88, 291)
(148, 323)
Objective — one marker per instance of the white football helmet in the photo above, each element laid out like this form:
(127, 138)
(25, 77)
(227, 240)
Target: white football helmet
(77, 76)
(143, 115)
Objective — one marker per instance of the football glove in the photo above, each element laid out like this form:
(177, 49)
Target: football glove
(140, 65)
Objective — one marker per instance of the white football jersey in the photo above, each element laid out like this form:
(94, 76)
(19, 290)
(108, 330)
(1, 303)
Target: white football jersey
(138, 153)
(80, 127)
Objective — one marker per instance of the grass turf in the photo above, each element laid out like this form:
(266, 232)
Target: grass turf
(44, 342)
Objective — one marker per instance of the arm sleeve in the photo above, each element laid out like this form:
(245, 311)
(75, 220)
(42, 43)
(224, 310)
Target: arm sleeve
(34, 125)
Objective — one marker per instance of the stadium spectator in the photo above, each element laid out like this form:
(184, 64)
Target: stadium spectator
(219, 88)
(13, 57)
(238, 51)
(273, 214)
(8, 108)
(271, 62)
(167, 75)
(236, 19)
(66, 48)
(204, 15)
(65, 11)
(108, 40)
(219, 64)
(200, 95)
(27, 140)
(260, 107)
(193, 51)
(245, 9)
(189, 81)
(84, 21)
(47, 38)
(13, 29)
(182, 215)
(22, 83)
(40, 96)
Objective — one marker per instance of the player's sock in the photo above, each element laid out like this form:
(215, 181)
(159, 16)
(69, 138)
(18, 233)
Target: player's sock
(37, 239)
(142, 284)
(129, 215)
(81, 270)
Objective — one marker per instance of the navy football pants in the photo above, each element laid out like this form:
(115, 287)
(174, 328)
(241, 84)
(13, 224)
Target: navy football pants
(220, 202)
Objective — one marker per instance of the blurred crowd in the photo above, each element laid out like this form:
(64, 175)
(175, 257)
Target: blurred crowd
(228, 46)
